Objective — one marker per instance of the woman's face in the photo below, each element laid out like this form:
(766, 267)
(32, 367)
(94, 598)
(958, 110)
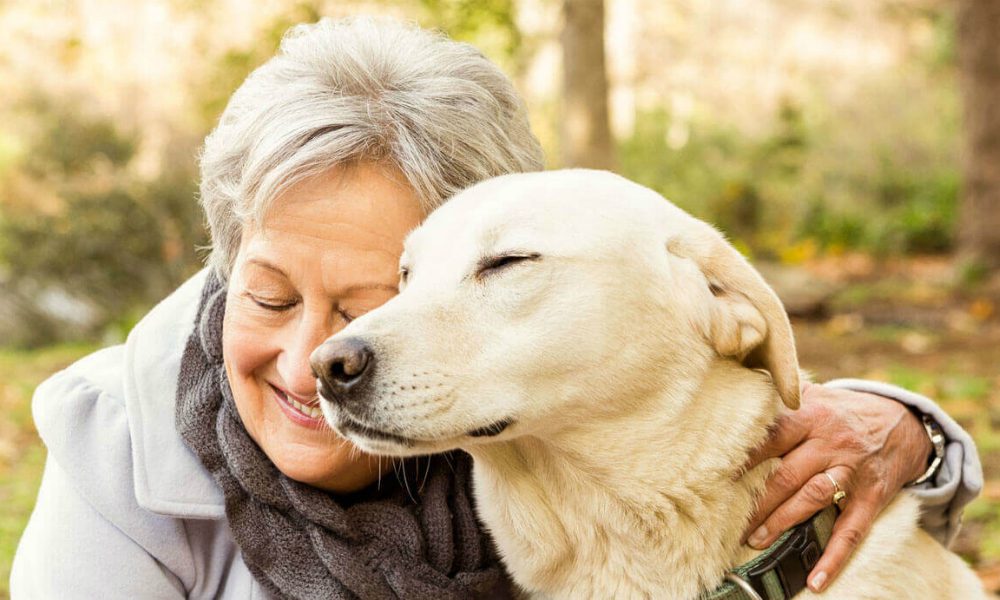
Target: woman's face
(327, 253)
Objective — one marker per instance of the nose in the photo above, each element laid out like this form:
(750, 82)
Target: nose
(342, 364)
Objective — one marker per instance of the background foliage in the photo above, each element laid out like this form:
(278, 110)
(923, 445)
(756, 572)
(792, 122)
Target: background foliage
(820, 135)
(97, 210)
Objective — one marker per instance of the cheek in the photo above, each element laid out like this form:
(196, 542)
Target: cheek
(548, 318)
(246, 348)
(247, 353)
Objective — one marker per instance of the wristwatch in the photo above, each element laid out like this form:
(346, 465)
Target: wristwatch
(937, 440)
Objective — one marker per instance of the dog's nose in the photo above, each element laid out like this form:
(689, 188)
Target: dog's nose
(341, 364)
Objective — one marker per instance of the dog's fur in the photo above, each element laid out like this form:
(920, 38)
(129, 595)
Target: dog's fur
(630, 360)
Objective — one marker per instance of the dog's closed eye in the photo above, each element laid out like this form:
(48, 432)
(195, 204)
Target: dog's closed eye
(491, 265)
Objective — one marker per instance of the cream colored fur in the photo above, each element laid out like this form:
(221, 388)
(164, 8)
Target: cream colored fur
(637, 358)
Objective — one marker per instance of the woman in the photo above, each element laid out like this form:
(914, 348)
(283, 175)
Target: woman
(192, 461)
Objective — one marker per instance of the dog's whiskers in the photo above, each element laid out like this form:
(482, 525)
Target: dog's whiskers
(427, 473)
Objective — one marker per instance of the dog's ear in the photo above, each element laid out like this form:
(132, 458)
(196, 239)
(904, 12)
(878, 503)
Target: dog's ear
(748, 321)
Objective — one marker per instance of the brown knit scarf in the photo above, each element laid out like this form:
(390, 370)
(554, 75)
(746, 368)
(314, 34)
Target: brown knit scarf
(390, 541)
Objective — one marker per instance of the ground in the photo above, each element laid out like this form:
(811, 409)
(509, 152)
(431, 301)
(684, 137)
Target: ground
(907, 322)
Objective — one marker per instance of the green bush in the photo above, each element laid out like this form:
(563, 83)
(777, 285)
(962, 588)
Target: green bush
(100, 246)
(88, 226)
(795, 183)
(730, 179)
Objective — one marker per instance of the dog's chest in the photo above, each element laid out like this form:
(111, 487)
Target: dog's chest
(573, 544)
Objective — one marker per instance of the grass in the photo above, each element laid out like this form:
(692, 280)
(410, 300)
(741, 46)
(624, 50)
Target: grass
(22, 455)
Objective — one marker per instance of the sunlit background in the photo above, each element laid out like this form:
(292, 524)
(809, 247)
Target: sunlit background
(824, 136)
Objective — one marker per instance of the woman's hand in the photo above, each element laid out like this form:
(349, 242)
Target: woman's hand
(872, 446)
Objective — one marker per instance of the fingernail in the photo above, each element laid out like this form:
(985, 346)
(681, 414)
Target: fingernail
(816, 584)
(757, 538)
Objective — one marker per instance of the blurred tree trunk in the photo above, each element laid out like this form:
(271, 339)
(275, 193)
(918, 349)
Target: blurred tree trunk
(979, 65)
(586, 132)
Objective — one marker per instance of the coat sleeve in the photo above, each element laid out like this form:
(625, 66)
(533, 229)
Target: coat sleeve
(69, 550)
(87, 536)
(960, 478)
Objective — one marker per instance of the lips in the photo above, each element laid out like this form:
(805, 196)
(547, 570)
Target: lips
(492, 429)
(309, 411)
(349, 425)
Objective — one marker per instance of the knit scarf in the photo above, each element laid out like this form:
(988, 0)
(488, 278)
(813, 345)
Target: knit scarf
(392, 540)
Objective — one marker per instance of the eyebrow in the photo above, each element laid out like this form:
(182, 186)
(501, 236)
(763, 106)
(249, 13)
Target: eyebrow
(372, 286)
(263, 263)
(358, 286)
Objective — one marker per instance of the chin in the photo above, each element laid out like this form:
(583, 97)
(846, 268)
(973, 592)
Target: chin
(341, 468)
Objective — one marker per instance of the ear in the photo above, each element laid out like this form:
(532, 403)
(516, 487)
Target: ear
(749, 322)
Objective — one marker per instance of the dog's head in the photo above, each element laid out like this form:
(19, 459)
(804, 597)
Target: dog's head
(529, 302)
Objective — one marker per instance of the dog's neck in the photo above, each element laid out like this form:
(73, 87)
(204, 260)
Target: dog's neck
(646, 500)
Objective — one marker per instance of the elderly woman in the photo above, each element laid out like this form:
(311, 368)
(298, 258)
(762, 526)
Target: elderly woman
(192, 461)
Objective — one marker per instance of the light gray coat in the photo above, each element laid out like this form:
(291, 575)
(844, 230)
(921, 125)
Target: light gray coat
(125, 510)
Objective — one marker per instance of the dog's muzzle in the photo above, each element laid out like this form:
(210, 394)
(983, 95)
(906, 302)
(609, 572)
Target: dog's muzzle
(343, 367)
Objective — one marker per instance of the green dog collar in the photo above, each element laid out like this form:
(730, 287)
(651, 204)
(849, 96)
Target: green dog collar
(780, 572)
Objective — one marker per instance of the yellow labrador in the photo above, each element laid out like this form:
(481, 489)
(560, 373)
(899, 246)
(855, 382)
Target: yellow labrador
(608, 361)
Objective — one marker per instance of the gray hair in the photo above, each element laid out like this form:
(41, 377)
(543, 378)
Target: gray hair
(360, 89)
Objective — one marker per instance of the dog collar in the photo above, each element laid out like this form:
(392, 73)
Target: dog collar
(780, 572)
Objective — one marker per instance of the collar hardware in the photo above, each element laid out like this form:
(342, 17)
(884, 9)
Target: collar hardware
(780, 572)
(744, 585)
(790, 563)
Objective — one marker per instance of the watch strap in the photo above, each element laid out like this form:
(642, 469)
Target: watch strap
(938, 441)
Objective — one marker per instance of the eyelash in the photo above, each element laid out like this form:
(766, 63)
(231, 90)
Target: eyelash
(494, 264)
(283, 307)
(274, 307)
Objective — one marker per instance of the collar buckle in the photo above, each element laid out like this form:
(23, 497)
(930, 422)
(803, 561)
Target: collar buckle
(744, 585)
(788, 567)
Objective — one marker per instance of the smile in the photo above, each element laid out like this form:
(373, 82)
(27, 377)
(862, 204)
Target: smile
(308, 415)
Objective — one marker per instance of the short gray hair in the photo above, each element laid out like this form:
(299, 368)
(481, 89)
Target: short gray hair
(360, 89)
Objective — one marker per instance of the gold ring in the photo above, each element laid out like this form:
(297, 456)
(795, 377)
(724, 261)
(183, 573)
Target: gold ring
(839, 495)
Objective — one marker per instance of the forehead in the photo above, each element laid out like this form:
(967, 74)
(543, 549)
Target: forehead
(344, 223)
(365, 196)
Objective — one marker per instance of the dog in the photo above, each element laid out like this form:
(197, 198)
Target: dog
(609, 361)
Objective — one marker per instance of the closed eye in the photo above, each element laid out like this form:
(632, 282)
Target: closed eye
(491, 265)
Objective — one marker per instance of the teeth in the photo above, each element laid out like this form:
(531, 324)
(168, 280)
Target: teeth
(310, 411)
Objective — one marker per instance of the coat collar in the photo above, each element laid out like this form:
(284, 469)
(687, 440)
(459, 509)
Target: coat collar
(169, 479)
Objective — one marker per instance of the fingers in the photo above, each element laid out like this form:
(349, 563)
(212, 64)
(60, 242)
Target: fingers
(786, 433)
(852, 526)
(795, 491)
